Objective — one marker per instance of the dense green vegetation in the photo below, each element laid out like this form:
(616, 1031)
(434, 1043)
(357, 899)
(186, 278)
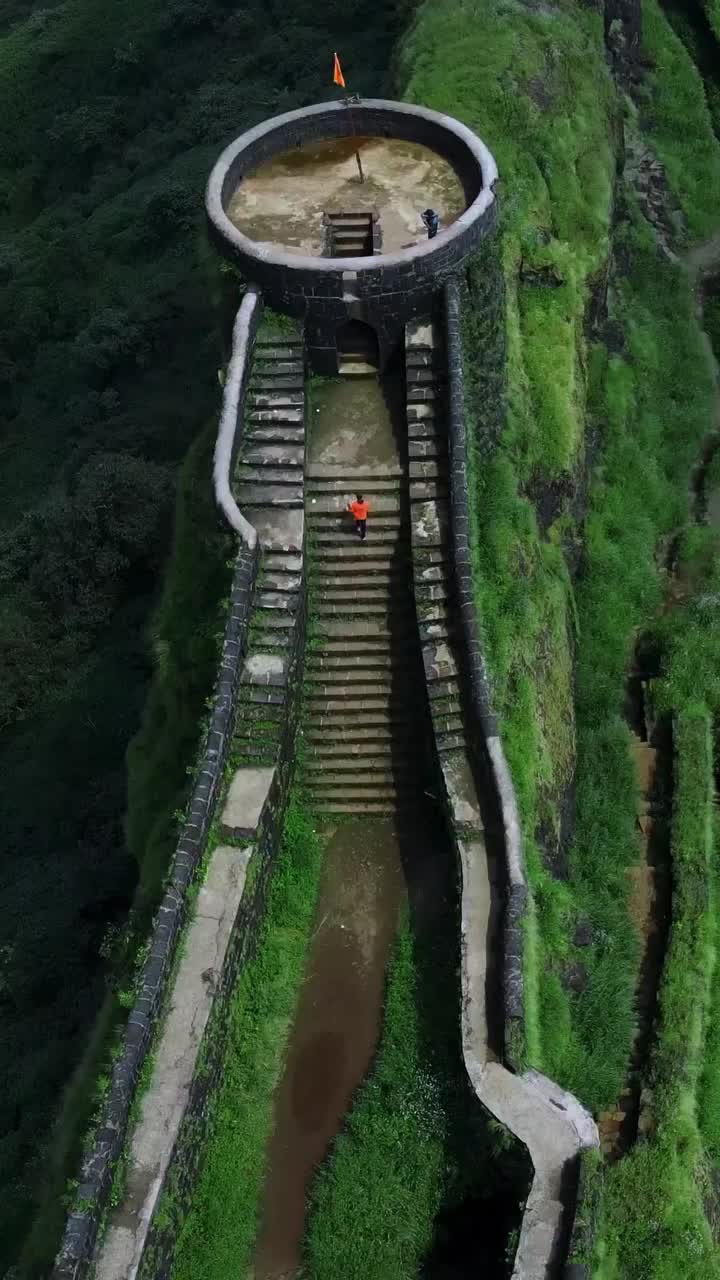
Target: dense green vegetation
(540, 93)
(648, 408)
(654, 1226)
(110, 118)
(217, 1236)
(198, 578)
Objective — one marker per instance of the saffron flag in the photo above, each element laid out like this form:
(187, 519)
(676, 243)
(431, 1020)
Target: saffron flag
(338, 77)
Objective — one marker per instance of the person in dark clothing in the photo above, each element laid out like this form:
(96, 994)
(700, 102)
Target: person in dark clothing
(359, 509)
(432, 222)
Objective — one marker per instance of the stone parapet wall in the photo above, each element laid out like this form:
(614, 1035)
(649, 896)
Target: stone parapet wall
(98, 1169)
(479, 682)
(233, 409)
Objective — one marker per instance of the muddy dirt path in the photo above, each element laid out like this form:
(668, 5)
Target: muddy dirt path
(335, 1027)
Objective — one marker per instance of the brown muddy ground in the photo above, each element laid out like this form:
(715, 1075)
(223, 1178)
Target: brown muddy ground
(335, 1028)
(283, 201)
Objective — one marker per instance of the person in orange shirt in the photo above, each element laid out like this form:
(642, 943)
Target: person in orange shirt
(359, 509)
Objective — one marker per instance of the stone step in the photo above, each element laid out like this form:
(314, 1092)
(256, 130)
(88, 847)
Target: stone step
(427, 395)
(337, 573)
(280, 400)
(282, 561)
(358, 645)
(280, 620)
(380, 751)
(345, 794)
(293, 417)
(430, 522)
(347, 705)
(429, 429)
(440, 571)
(245, 474)
(435, 632)
(371, 766)
(432, 592)
(266, 599)
(449, 742)
(343, 520)
(382, 777)
(433, 612)
(272, 641)
(322, 661)
(445, 686)
(337, 504)
(427, 470)
(390, 580)
(267, 495)
(357, 593)
(400, 610)
(449, 724)
(430, 449)
(378, 678)
(369, 555)
(356, 368)
(272, 455)
(270, 434)
(279, 351)
(345, 490)
(356, 806)
(266, 380)
(333, 540)
(427, 490)
(370, 719)
(378, 686)
(357, 629)
(281, 582)
(398, 733)
(355, 476)
(278, 364)
(421, 412)
(423, 358)
(423, 375)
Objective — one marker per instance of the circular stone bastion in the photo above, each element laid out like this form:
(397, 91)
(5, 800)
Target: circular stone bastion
(321, 209)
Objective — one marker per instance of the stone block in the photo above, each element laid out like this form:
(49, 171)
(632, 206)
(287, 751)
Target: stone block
(246, 798)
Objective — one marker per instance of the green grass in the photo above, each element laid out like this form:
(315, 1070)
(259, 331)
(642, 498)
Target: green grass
(415, 1141)
(654, 1226)
(217, 1235)
(676, 122)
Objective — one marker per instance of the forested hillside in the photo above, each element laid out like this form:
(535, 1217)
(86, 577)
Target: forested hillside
(110, 116)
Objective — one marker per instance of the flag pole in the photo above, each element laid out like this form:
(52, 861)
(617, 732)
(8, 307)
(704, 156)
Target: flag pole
(339, 79)
(357, 148)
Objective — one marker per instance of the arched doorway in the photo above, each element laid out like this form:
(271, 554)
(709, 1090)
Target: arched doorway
(357, 347)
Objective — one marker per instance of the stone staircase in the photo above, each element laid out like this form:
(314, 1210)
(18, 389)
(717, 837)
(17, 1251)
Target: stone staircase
(432, 553)
(349, 235)
(269, 488)
(362, 675)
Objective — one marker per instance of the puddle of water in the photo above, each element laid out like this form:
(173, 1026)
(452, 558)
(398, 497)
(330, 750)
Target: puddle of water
(335, 1028)
(283, 201)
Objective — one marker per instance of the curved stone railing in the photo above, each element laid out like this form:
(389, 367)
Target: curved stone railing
(550, 1122)
(226, 445)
